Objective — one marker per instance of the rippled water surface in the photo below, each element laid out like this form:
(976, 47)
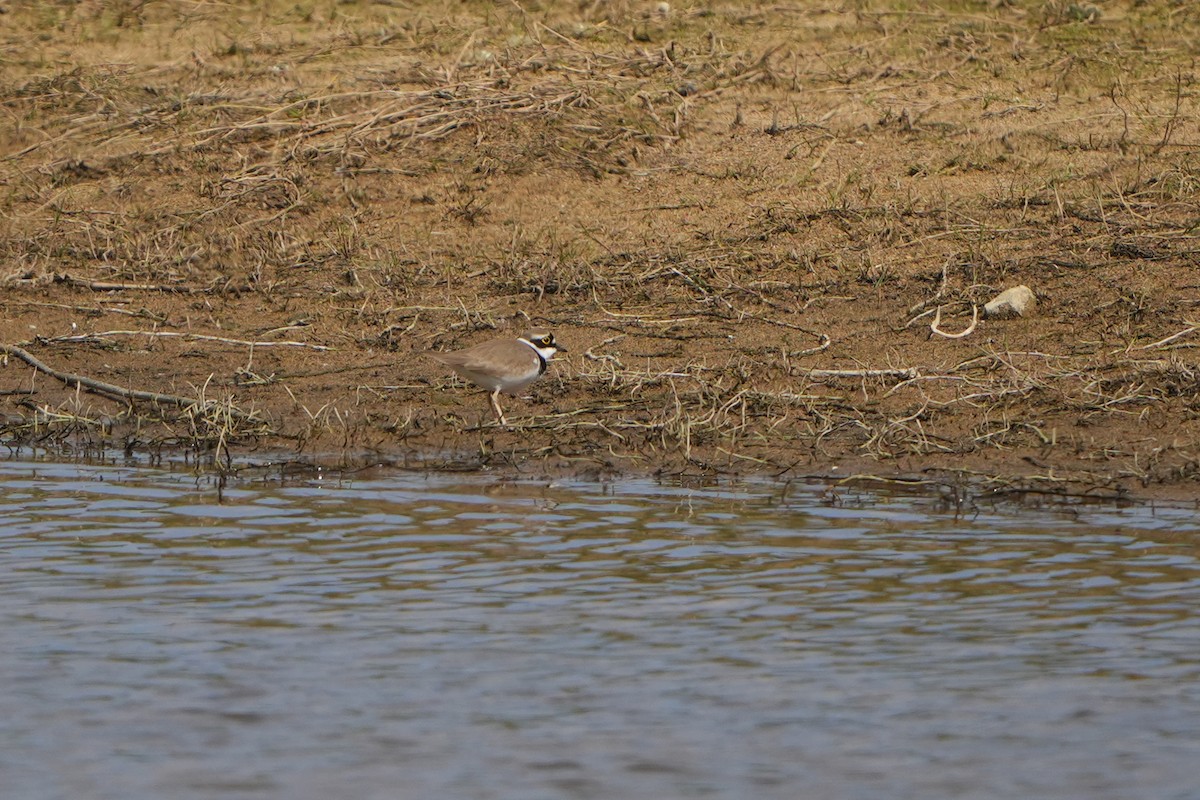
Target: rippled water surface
(412, 636)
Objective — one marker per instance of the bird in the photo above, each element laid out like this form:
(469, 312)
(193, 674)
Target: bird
(503, 365)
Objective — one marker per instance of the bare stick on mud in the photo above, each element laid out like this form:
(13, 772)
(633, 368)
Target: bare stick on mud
(109, 286)
(907, 373)
(187, 337)
(1192, 328)
(937, 319)
(107, 389)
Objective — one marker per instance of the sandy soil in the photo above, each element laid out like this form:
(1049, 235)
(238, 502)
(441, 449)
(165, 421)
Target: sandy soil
(741, 218)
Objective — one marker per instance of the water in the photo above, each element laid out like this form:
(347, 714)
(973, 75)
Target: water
(411, 636)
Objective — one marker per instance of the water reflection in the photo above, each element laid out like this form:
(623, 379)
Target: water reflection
(416, 636)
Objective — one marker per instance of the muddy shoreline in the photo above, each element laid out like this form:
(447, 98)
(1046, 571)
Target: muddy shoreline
(742, 221)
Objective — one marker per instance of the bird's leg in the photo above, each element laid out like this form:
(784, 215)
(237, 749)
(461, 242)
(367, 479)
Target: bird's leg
(495, 398)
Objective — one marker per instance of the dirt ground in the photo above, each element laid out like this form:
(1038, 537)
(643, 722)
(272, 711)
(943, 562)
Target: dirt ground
(740, 218)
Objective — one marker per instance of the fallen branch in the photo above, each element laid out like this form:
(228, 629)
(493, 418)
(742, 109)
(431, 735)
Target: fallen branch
(111, 389)
(937, 318)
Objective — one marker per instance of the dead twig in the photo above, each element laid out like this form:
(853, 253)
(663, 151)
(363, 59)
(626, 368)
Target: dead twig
(187, 337)
(904, 373)
(109, 286)
(823, 344)
(142, 313)
(920, 308)
(1192, 328)
(111, 389)
(937, 319)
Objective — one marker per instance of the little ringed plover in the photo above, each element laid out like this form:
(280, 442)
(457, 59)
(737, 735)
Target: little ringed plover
(503, 365)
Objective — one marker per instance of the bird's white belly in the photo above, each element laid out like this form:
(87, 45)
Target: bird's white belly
(509, 385)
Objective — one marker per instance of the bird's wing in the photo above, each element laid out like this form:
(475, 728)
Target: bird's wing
(488, 356)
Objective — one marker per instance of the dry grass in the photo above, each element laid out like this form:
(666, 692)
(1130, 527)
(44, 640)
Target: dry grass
(742, 218)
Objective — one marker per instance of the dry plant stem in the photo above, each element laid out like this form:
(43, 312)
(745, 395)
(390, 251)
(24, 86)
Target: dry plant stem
(92, 309)
(937, 319)
(925, 304)
(1192, 328)
(863, 477)
(187, 337)
(904, 374)
(106, 389)
(825, 341)
(108, 286)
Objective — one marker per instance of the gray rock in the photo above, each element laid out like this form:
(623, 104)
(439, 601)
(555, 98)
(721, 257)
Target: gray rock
(1019, 301)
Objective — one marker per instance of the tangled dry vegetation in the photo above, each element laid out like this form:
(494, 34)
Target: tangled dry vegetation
(237, 226)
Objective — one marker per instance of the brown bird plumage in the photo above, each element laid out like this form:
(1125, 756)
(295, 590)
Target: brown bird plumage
(503, 365)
